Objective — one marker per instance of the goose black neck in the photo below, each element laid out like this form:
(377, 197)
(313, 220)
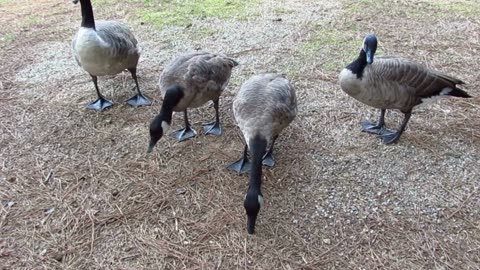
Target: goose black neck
(258, 147)
(359, 64)
(172, 97)
(87, 14)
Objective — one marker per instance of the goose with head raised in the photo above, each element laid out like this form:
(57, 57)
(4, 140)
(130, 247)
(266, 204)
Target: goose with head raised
(389, 82)
(106, 48)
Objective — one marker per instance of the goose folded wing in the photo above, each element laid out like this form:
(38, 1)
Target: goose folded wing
(120, 39)
(209, 69)
(421, 81)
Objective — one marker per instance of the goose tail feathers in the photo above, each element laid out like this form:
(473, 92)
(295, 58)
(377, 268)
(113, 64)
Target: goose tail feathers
(457, 92)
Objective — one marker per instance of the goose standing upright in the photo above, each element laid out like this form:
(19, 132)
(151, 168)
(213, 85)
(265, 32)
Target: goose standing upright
(189, 82)
(390, 82)
(106, 48)
(264, 106)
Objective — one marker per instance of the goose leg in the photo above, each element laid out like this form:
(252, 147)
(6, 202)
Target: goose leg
(373, 128)
(185, 133)
(101, 103)
(393, 137)
(139, 99)
(268, 157)
(214, 127)
(242, 165)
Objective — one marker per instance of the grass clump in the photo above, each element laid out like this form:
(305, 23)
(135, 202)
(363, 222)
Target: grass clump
(467, 8)
(6, 39)
(332, 47)
(372, 9)
(29, 21)
(280, 10)
(420, 10)
(182, 12)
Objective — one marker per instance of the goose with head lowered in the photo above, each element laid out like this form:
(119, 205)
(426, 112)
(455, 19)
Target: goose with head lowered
(190, 81)
(265, 105)
(106, 48)
(389, 82)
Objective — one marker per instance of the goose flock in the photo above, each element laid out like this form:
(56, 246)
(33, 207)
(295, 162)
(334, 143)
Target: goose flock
(265, 104)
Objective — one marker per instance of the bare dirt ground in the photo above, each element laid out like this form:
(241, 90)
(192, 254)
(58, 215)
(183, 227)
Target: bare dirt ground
(78, 190)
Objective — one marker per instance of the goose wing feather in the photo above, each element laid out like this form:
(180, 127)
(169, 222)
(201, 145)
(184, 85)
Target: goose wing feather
(209, 71)
(120, 39)
(406, 75)
(203, 76)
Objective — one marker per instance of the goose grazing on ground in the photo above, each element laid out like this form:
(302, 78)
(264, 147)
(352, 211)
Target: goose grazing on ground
(189, 82)
(264, 106)
(106, 48)
(393, 83)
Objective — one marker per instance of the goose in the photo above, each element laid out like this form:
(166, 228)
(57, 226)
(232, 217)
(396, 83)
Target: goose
(189, 81)
(263, 107)
(106, 48)
(390, 82)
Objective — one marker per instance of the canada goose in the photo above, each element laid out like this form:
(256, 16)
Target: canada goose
(106, 48)
(189, 82)
(393, 83)
(263, 107)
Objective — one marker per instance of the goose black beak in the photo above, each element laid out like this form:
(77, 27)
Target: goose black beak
(251, 224)
(151, 145)
(369, 57)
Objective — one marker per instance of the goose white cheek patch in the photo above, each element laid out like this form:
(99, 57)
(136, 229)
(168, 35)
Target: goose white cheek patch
(260, 200)
(165, 126)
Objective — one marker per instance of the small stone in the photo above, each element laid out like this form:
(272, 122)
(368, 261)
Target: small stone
(49, 211)
(181, 191)
(58, 256)
(9, 204)
(326, 241)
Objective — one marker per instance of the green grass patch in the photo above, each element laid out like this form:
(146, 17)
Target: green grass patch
(332, 48)
(96, 3)
(467, 8)
(374, 8)
(7, 39)
(182, 12)
(280, 10)
(5, 1)
(29, 21)
(204, 32)
(418, 10)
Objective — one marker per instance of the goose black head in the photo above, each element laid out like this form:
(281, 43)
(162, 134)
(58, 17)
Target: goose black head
(161, 123)
(75, 1)
(158, 127)
(370, 47)
(252, 203)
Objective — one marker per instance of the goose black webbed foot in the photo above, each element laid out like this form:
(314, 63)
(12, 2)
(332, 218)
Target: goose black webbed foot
(139, 100)
(390, 137)
(100, 104)
(213, 128)
(268, 159)
(372, 128)
(184, 134)
(241, 166)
